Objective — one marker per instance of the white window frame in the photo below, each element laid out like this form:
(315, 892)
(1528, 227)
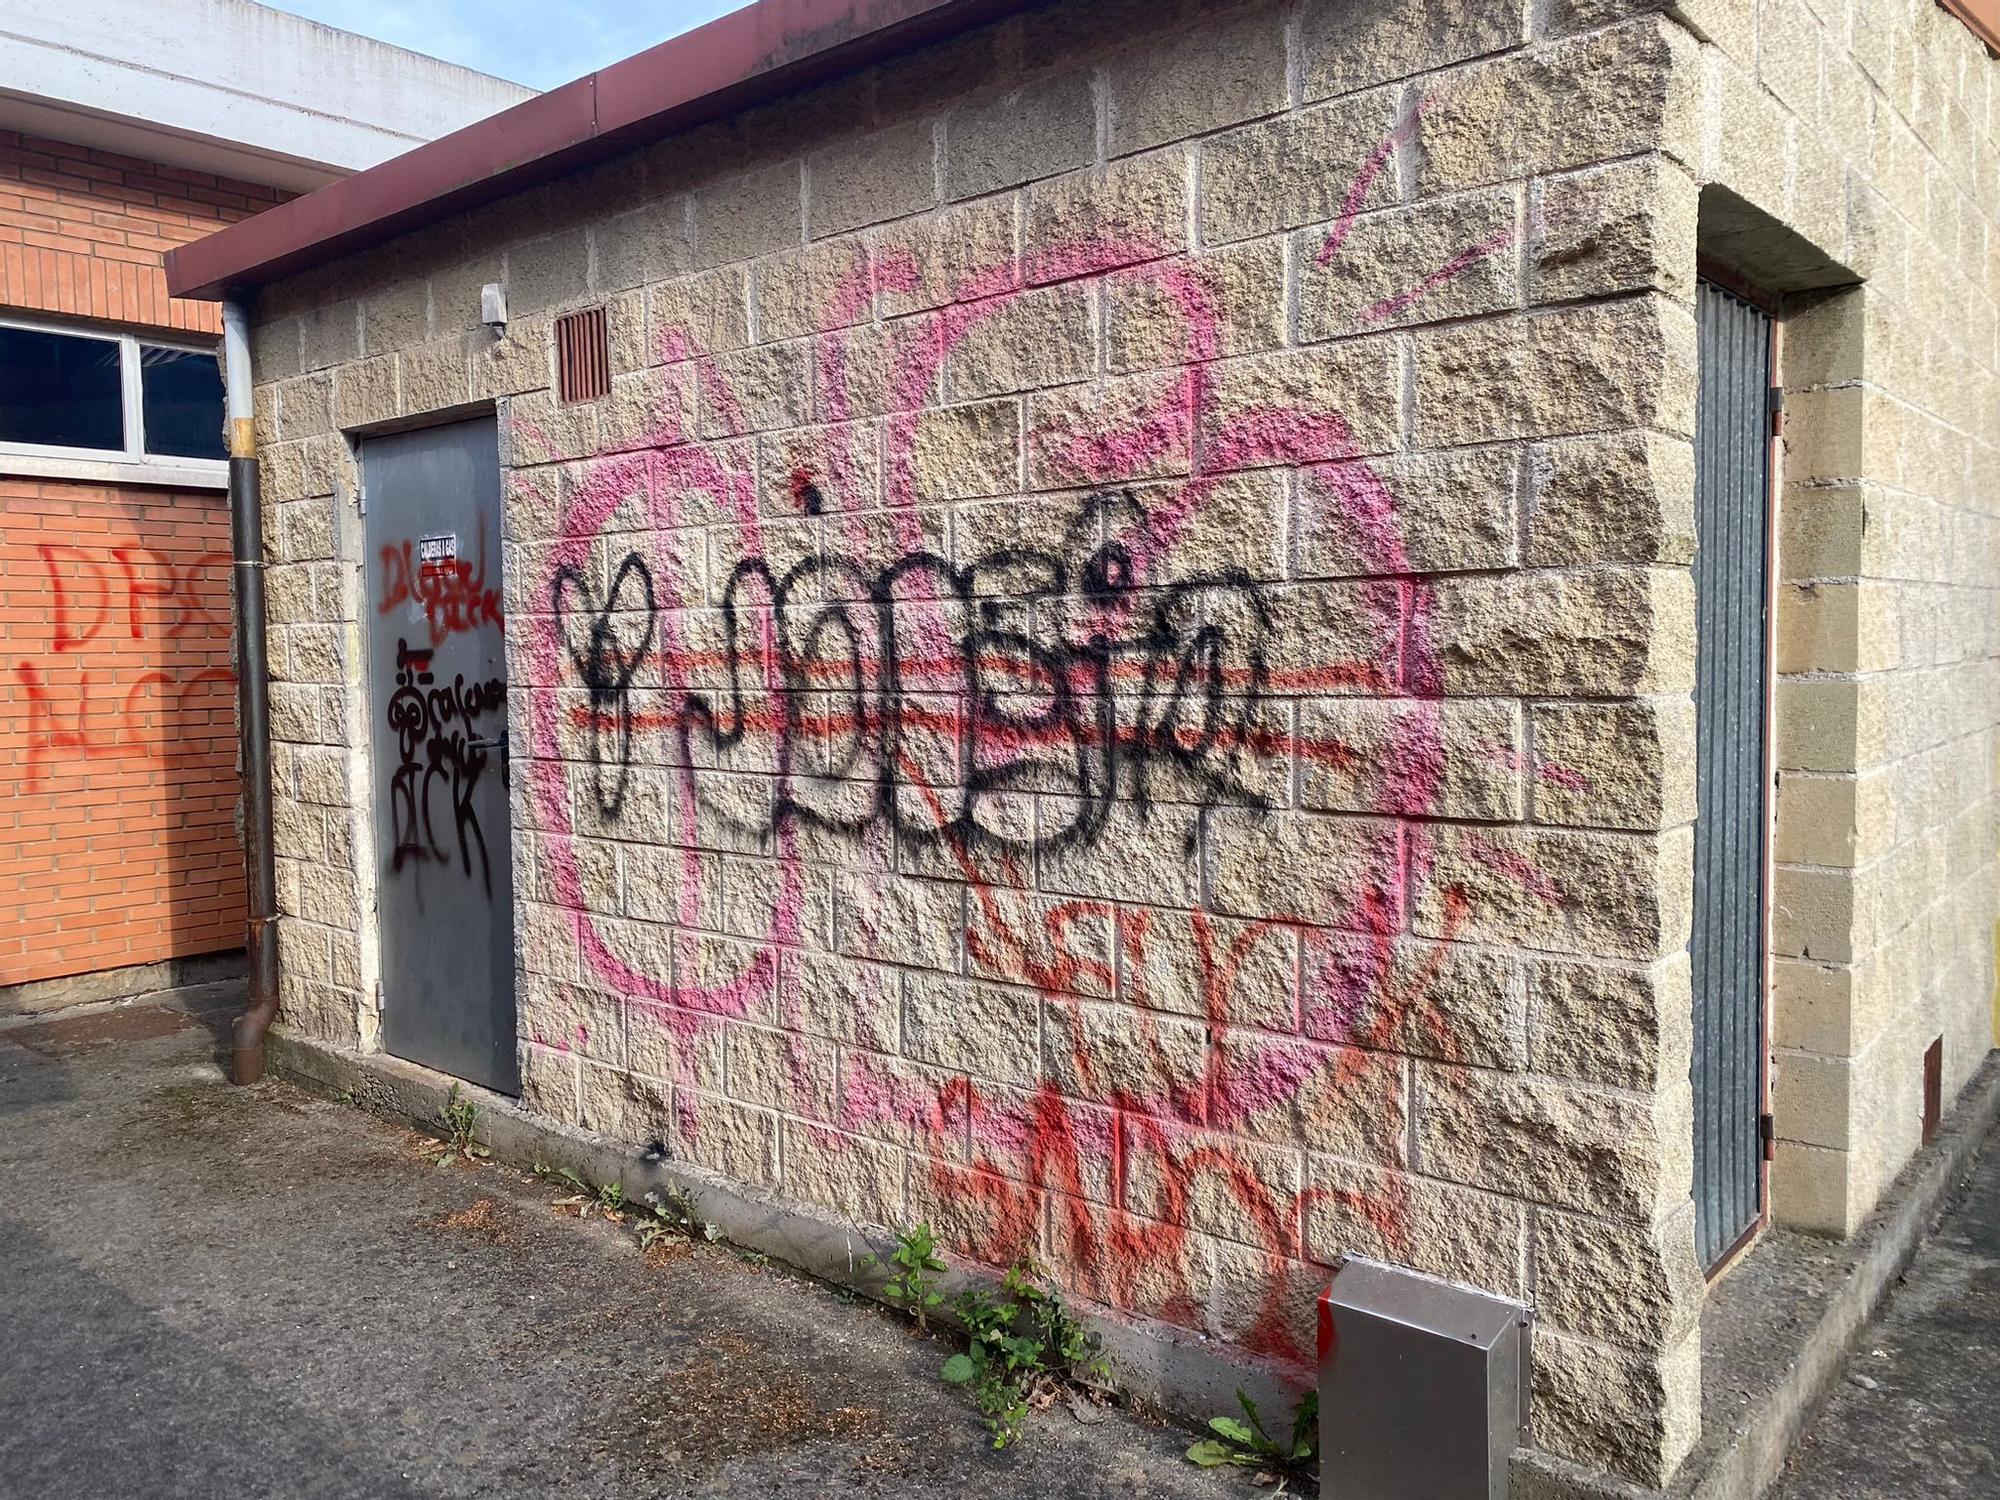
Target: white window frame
(130, 464)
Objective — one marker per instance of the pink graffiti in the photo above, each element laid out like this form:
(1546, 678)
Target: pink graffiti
(1073, 1156)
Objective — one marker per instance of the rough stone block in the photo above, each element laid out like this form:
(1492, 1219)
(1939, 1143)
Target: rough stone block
(1474, 1238)
(556, 1013)
(1044, 129)
(748, 216)
(1622, 228)
(870, 178)
(548, 272)
(985, 1030)
(1424, 758)
(958, 452)
(1447, 1001)
(698, 314)
(1060, 947)
(624, 1106)
(1214, 1184)
(276, 352)
(1311, 867)
(395, 318)
(1172, 87)
(364, 392)
(1546, 1142)
(1316, 405)
(961, 251)
(1598, 632)
(1137, 854)
(1621, 896)
(1617, 497)
(521, 359)
(827, 285)
(1615, 765)
(1297, 169)
(1131, 211)
(1635, 1414)
(1112, 432)
(646, 244)
(1117, 1054)
(781, 1070)
(1040, 338)
(435, 376)
(1414, 513)
(757, 389)
(1571, 103)
(1441, 258)
(1192, 964)
(1635, 1285)
(331, 334)
(860, 1178)
(1223, 302)
(305, 407)
(1347, 45)
(728, 1138)
(1339, 1100)
(1583, 369)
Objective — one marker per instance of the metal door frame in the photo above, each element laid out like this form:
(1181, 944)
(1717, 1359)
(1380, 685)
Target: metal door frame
(1732, 282)
(356, 439)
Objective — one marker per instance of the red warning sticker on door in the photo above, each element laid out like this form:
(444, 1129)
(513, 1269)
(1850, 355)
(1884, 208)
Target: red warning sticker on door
(439, 552)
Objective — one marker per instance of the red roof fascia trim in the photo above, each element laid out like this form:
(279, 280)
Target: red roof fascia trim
(757, 53)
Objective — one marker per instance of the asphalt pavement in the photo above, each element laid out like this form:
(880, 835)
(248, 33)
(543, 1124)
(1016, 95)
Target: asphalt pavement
(218, 1292)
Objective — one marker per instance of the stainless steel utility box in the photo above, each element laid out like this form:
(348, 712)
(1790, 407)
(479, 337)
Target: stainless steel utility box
(1423, 1387)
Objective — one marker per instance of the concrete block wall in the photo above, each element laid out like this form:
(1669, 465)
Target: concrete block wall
(1872, 133)
(1113, 672)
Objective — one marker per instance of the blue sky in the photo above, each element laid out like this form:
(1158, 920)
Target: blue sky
(537, 42)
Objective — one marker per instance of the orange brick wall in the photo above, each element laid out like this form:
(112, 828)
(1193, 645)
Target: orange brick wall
(82, 231)
(117, 698)
(117, 721)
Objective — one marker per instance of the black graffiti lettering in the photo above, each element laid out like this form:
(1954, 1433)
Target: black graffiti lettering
(606, 664)
(437, 748)
(923, 695)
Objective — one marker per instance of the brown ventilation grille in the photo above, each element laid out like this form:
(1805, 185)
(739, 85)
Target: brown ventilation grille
(583, 356)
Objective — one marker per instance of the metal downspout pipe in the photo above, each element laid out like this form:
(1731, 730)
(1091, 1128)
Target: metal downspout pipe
(253, 700)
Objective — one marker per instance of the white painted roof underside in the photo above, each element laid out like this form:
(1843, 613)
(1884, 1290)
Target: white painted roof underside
(228, 86)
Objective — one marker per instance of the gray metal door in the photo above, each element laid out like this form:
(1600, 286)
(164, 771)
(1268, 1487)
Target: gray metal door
(1732, 488)
(438, 717)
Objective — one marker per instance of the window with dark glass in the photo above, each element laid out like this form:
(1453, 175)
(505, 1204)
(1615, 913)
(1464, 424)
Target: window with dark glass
(181, 398)
(61, 390)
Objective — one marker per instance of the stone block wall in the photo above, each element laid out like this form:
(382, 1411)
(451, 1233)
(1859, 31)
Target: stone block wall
(1871, 133)
(1114, 671)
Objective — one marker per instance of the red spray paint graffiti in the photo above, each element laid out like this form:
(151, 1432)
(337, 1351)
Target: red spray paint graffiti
(450, 592)
(1110, 1154)
(85, 700)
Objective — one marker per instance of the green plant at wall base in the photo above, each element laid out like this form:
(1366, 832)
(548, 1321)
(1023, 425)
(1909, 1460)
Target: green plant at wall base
(1246, 1444)
(457, 1117)
(1021, 1349)
(912, 1284)
(672, 1215)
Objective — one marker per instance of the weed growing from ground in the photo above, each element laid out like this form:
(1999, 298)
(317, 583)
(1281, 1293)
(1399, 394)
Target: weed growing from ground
(1246, 1444)
(457, 1117)
(912, 1284)
(672, 1215)
(1024, 1348)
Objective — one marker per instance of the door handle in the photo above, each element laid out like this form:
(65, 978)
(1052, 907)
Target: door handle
(498, 742)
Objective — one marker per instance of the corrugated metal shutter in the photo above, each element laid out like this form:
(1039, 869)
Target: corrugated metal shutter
(1732, 457)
